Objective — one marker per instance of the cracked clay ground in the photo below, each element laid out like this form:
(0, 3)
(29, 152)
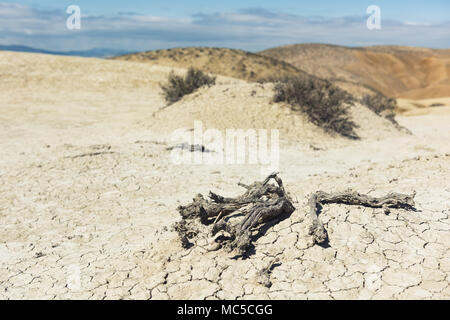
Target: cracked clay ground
(82, 222)
(88, 199)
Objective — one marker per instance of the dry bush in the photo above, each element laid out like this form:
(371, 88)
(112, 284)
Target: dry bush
(178, 86)
(380, 104)
(326, 105)
(384, 107)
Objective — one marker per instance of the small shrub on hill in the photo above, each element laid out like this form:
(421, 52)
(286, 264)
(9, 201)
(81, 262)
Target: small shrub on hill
(384, 107)
(178, 86)
(325, 105)
(380, 104)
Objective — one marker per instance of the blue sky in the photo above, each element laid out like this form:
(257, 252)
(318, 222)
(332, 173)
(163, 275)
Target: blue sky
(420, 10)
(253, 25)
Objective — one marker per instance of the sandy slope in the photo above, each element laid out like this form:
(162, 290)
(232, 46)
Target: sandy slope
(88, 193)
(402, 72)
(237, 104)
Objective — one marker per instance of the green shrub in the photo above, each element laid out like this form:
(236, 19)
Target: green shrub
(178, 86)
(325, 105)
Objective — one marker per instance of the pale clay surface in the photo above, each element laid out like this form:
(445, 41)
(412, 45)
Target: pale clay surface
(88, 196)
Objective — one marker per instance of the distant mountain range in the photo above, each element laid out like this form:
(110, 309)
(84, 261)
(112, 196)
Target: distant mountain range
(96, 52)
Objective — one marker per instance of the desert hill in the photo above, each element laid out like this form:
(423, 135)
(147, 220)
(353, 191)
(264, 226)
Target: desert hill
(227, 62)
(401, 72)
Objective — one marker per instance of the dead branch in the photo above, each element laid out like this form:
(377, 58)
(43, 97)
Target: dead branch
(189, 147)
(261, 203)
(91, 154)
(391, 200)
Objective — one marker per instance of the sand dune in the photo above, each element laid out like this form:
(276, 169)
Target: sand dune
(89, 194)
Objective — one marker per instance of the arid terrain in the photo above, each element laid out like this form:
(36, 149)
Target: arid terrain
(89, 194)
(400, 72)
(418, 77)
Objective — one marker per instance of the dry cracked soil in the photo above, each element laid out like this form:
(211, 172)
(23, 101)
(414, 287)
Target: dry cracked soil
(88, 197)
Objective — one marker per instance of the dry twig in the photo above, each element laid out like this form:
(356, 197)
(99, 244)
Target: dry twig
(262, 202)
(391, 200)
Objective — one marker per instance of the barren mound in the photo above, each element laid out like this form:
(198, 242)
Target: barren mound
(235, 104)
(227, 62)
(402, 72)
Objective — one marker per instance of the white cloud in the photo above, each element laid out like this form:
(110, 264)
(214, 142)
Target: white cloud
(251, 29)
(410, 23)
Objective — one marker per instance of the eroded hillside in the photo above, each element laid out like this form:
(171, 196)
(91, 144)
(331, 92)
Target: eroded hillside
(401, 72)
